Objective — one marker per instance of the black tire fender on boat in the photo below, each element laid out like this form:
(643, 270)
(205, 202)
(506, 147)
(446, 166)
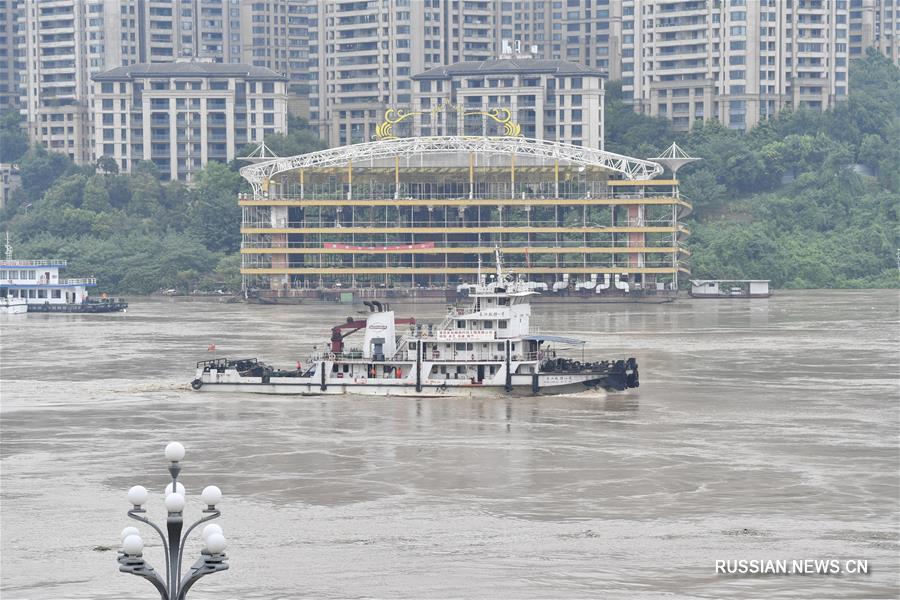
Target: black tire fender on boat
(196, 384)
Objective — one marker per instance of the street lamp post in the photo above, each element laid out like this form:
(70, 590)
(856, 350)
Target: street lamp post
(212, 557)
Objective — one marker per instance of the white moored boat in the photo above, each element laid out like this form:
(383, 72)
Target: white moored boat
(13, 306)
(485, 348)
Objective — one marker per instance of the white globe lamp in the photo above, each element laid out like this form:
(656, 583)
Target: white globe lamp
(211, 495)
(179, 489)
(215, 543)
(133, 545)
(175, 503)
(138, 495)
(174, 451)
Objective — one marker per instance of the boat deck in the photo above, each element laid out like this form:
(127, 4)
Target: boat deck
(87, 307)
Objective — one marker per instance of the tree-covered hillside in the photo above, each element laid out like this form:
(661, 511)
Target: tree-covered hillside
(135, 233)
(785, 201)
(808, 199)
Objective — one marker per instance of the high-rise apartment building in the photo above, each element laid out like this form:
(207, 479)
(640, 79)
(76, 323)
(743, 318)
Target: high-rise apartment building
(363, 54)
(585, 31)
(60, 44)
(738, 61)
(875, 24)
(9, 86)
(548, 99)
(181, 115)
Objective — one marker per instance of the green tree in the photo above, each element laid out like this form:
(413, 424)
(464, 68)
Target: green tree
(13, 139)
(214, 214)
(95, 196)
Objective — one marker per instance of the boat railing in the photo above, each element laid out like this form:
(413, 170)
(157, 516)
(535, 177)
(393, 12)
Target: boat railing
(79, 281)
(41, 262)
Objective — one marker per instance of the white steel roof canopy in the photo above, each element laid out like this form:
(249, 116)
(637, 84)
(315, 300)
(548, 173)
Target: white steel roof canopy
(630, 168)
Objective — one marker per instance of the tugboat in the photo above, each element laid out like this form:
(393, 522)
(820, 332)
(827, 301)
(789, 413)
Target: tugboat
(484, 348)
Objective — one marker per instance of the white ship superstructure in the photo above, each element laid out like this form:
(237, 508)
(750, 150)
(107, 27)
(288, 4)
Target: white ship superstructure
(484, 346)
(35, 285)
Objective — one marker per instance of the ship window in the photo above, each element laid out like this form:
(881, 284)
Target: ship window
(2, 274)
(460, 324)
(56, 294)
(42, 293)
(488, 324)
(499, 346)
(461, 346)
(503, 301)
(491, 369)
(502, 324)
(413, 345)
(13, 293)
(460, 369)
(31, 293)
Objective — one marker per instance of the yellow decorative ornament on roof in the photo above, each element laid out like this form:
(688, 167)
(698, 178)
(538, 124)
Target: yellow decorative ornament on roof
(392, 116)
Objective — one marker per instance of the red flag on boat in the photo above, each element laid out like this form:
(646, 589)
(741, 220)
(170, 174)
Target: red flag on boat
(212, 348)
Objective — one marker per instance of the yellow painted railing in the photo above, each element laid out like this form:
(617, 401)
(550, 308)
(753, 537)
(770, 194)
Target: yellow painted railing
(473, 229)
(654, 200)
(444, 270)
(470, 250)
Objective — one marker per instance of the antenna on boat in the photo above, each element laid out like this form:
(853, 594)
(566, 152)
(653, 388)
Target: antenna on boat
(480, 282)
(8, 247)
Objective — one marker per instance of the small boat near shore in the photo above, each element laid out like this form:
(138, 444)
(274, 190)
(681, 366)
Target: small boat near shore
(482, 348)
(36, 286)
(13, 306)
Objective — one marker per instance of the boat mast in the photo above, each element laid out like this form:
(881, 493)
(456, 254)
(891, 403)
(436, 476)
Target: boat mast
(8, 247)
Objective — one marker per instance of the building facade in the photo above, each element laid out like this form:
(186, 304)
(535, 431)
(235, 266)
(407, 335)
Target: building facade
(875, 24)
(738, 61)
(9, 79)
(181, 115)
(58, 45)
(584, 31)
(548, 99)
(363, 54)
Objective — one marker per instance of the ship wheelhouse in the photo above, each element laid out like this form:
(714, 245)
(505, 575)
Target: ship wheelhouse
(39, 282)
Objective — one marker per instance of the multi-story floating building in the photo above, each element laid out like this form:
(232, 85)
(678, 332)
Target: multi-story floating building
(180, 115)
(416, 216)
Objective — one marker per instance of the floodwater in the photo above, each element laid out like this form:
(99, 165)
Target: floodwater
(763, 429)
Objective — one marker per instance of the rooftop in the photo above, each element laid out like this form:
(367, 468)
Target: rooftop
(509, 66)
(189, 69)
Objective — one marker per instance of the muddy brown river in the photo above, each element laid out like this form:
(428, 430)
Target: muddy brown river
(763, 429)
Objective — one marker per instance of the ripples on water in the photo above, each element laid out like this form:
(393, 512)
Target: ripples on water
(762, 429)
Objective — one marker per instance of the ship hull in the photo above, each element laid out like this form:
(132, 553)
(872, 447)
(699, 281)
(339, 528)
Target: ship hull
(402, 390)
(542, 384)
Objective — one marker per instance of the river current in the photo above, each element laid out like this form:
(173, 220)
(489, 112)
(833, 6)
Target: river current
(763, 429)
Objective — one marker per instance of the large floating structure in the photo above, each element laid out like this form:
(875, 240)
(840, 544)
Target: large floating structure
(414, 217)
